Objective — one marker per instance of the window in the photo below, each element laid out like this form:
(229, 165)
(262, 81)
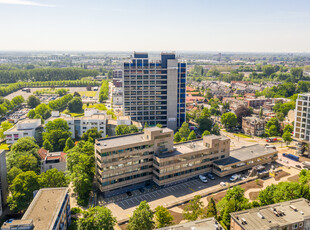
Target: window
(295, 226)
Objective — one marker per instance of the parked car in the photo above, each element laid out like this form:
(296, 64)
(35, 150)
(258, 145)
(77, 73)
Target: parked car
(129, 193)
(235, 177)
(210, 176)
(141, 190)
(298, 166)
(203, 178)
(223, 184)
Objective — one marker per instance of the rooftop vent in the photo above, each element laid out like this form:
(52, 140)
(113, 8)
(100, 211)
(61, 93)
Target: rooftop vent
(293, 207)
(260, 215)
(243, 221)
(301, 212)
(104, 144)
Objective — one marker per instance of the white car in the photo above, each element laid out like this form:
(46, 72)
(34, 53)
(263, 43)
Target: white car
(234, 177)
(223, 184)
(203, 178)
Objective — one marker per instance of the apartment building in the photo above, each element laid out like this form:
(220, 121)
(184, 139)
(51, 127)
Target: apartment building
(302, 120)
(253, 126)
(24, 128)
(3, 180)
(129, 162)
(78, 125)
(49, 210)
(155, 90)
(290, 215)
(118, 74)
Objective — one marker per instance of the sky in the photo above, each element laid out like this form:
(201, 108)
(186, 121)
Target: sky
(155, 25)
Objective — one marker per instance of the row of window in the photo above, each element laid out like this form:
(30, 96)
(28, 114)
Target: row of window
(127, 150)
(123, 165)
(182, 173)
(125, 178)
(128, 170)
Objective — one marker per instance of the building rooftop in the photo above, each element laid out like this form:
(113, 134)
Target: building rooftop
(273, 216)
(44, 206)
(28, 121)
(245, 153)
(116, 141)
(14, 223)
(204, 224)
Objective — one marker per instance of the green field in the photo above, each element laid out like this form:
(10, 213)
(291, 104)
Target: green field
(88, 93)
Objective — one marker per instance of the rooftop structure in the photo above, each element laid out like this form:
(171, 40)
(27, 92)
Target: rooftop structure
(294, 214)
(50, 160)
(204, 224)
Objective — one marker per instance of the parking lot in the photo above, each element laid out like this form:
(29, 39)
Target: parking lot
(161, 194)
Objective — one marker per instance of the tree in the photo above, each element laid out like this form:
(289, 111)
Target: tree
(177, 137)
(48, 146)
(142, 218)
(194, 209)
(184, 130)
(216, 130)
(229, 120)
(69, 144)
(192, 135)
(206, 133)
(146, 125)
(159, 125)
(31, 114)
(163, 218)
(75, 105)
(14, 172)
(33, 101)
(43, 110)
(93, 133)
(5, 125)
(97, 218)
(122, 130)
(25, 144)
(211, 208)
(52, 178)
(57, 132)
(272, 131)
(288, 128)
(22, 189)
(304, 176)
(272, 127)
(287, 137)
(261, 113)
(23, 160)
(3, 110)
(37, 116)
(133, 129)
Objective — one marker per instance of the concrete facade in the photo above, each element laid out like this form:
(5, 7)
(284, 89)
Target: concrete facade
(155, 91)
(24, 128)
(3, 180)
(253, 126)
(129, 162)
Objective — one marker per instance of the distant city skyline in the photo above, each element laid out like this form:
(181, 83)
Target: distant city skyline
(279, 26)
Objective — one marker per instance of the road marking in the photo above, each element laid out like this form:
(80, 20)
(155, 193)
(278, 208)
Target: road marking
(191, 189)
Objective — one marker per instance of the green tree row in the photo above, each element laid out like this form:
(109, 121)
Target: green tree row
(104, 91)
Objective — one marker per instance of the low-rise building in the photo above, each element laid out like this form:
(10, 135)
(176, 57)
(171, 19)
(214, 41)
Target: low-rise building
(253, 126)
(129, 162)
(294, 214)
(3, 180)
(24, 128)
(121, 120)
(244, 158)
(49, 210)
(204, 224)
(50, 160)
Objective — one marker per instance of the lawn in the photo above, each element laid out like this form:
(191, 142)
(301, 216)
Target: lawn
(4, 146)
(242, 135)
(76, 114)
(88, 93)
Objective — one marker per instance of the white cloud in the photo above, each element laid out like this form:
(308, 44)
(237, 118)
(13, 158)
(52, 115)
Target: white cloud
(23, 2)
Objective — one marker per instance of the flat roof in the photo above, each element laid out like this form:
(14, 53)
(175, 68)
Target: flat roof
(245, 153)
(44, 207)
(261, 218)
(116, 141)
(204, 224)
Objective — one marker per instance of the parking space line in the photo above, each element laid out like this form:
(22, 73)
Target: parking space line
(191, 189)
